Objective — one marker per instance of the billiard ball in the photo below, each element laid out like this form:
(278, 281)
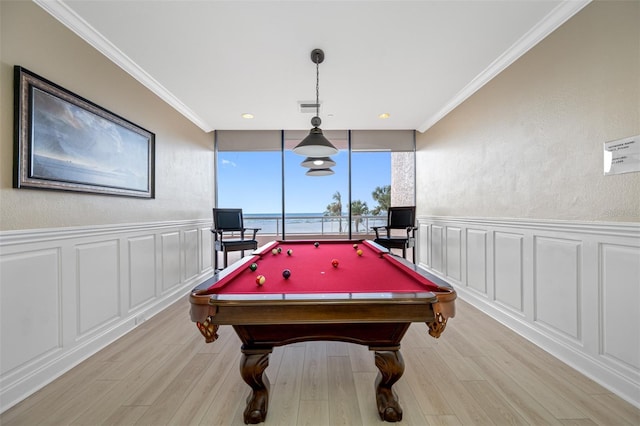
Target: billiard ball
(279, 250)
(286, 274)
(355, 246)
(316, 244)
(335, 263)
(274, 251)
(359, 252)
(289, 252)
(253, 266)
(260, 279)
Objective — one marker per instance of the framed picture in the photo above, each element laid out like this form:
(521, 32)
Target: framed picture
(65, 142)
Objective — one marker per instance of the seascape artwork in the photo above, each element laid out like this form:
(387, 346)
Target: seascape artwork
(71, 144)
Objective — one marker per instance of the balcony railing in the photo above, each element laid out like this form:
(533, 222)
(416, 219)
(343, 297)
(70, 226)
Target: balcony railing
(314, 225)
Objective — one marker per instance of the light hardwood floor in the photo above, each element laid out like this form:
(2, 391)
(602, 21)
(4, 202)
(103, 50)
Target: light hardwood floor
(478, 372)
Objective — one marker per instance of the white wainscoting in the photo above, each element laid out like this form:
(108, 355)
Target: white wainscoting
(67, 293)
(571, 288)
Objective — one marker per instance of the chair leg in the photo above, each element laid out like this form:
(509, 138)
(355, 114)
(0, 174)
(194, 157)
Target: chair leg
(225, 258)
(404, 252)
(215, 260)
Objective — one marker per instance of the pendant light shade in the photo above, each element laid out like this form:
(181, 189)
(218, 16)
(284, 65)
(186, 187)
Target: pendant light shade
(316, 145)
(319, 172)
(318, 162)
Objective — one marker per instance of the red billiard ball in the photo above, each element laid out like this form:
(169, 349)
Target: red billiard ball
(335, 263)
(286, 274)
(260, 279)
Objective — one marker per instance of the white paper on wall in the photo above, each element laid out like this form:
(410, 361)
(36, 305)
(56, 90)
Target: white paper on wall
(622, 156)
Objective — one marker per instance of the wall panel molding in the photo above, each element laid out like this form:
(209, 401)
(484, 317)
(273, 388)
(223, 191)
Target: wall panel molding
(476, 260)
(620, 304)
(142, 270)
(557, 285)
(508, 285)
(454, 253)
(67, 293)
(569, 287)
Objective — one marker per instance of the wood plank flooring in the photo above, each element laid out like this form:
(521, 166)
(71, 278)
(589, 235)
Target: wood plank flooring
(477, 373)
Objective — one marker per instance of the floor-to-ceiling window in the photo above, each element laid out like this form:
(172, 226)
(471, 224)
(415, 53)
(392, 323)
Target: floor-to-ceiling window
(382, 175)
(316, 205)
(249, 176)
(258, 172)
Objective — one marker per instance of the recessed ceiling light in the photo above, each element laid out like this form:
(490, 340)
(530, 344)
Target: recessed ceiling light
(247, 115)
(384, 115)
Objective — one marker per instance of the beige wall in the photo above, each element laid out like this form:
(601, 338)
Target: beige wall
(529, 143)
(184, 154)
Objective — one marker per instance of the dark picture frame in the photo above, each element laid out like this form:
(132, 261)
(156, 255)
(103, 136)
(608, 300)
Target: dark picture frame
(63, 141)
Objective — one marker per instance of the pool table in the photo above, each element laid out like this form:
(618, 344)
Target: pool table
(351, 291)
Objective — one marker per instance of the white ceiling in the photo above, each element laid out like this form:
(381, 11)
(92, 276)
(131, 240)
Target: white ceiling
(214, 60)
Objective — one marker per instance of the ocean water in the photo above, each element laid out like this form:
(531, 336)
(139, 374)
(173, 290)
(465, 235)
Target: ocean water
(309, 223)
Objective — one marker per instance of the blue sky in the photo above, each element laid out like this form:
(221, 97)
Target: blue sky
(252, 181)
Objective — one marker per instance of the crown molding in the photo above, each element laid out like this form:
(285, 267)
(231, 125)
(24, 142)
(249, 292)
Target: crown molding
(63, 13)
(558, 16)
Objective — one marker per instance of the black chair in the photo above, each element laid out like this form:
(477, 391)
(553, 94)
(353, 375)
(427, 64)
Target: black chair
(400, 230)
(229, 234)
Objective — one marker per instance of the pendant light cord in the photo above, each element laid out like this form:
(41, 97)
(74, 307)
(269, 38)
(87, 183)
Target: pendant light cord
(317, 88)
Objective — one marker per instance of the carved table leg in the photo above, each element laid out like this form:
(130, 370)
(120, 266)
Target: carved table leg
(391, 366)
(252, 366)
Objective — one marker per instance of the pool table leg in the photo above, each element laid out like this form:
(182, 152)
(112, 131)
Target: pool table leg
(391, 366)
(252, 366)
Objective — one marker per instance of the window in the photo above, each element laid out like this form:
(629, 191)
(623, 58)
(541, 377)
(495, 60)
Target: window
(249, 176)
(258, 172)
(316, 206)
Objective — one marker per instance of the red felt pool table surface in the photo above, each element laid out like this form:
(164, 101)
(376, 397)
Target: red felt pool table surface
(374, 271)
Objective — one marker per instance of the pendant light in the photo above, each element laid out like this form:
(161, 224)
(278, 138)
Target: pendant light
(315, 144)
(318, 162)
(319, 172)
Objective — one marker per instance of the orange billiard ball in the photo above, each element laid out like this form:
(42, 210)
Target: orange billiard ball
(335, 263)
(260, 279)
(359, 252)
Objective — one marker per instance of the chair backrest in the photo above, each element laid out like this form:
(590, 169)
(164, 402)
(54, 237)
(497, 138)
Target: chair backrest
(401, 217)
(228, 219)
